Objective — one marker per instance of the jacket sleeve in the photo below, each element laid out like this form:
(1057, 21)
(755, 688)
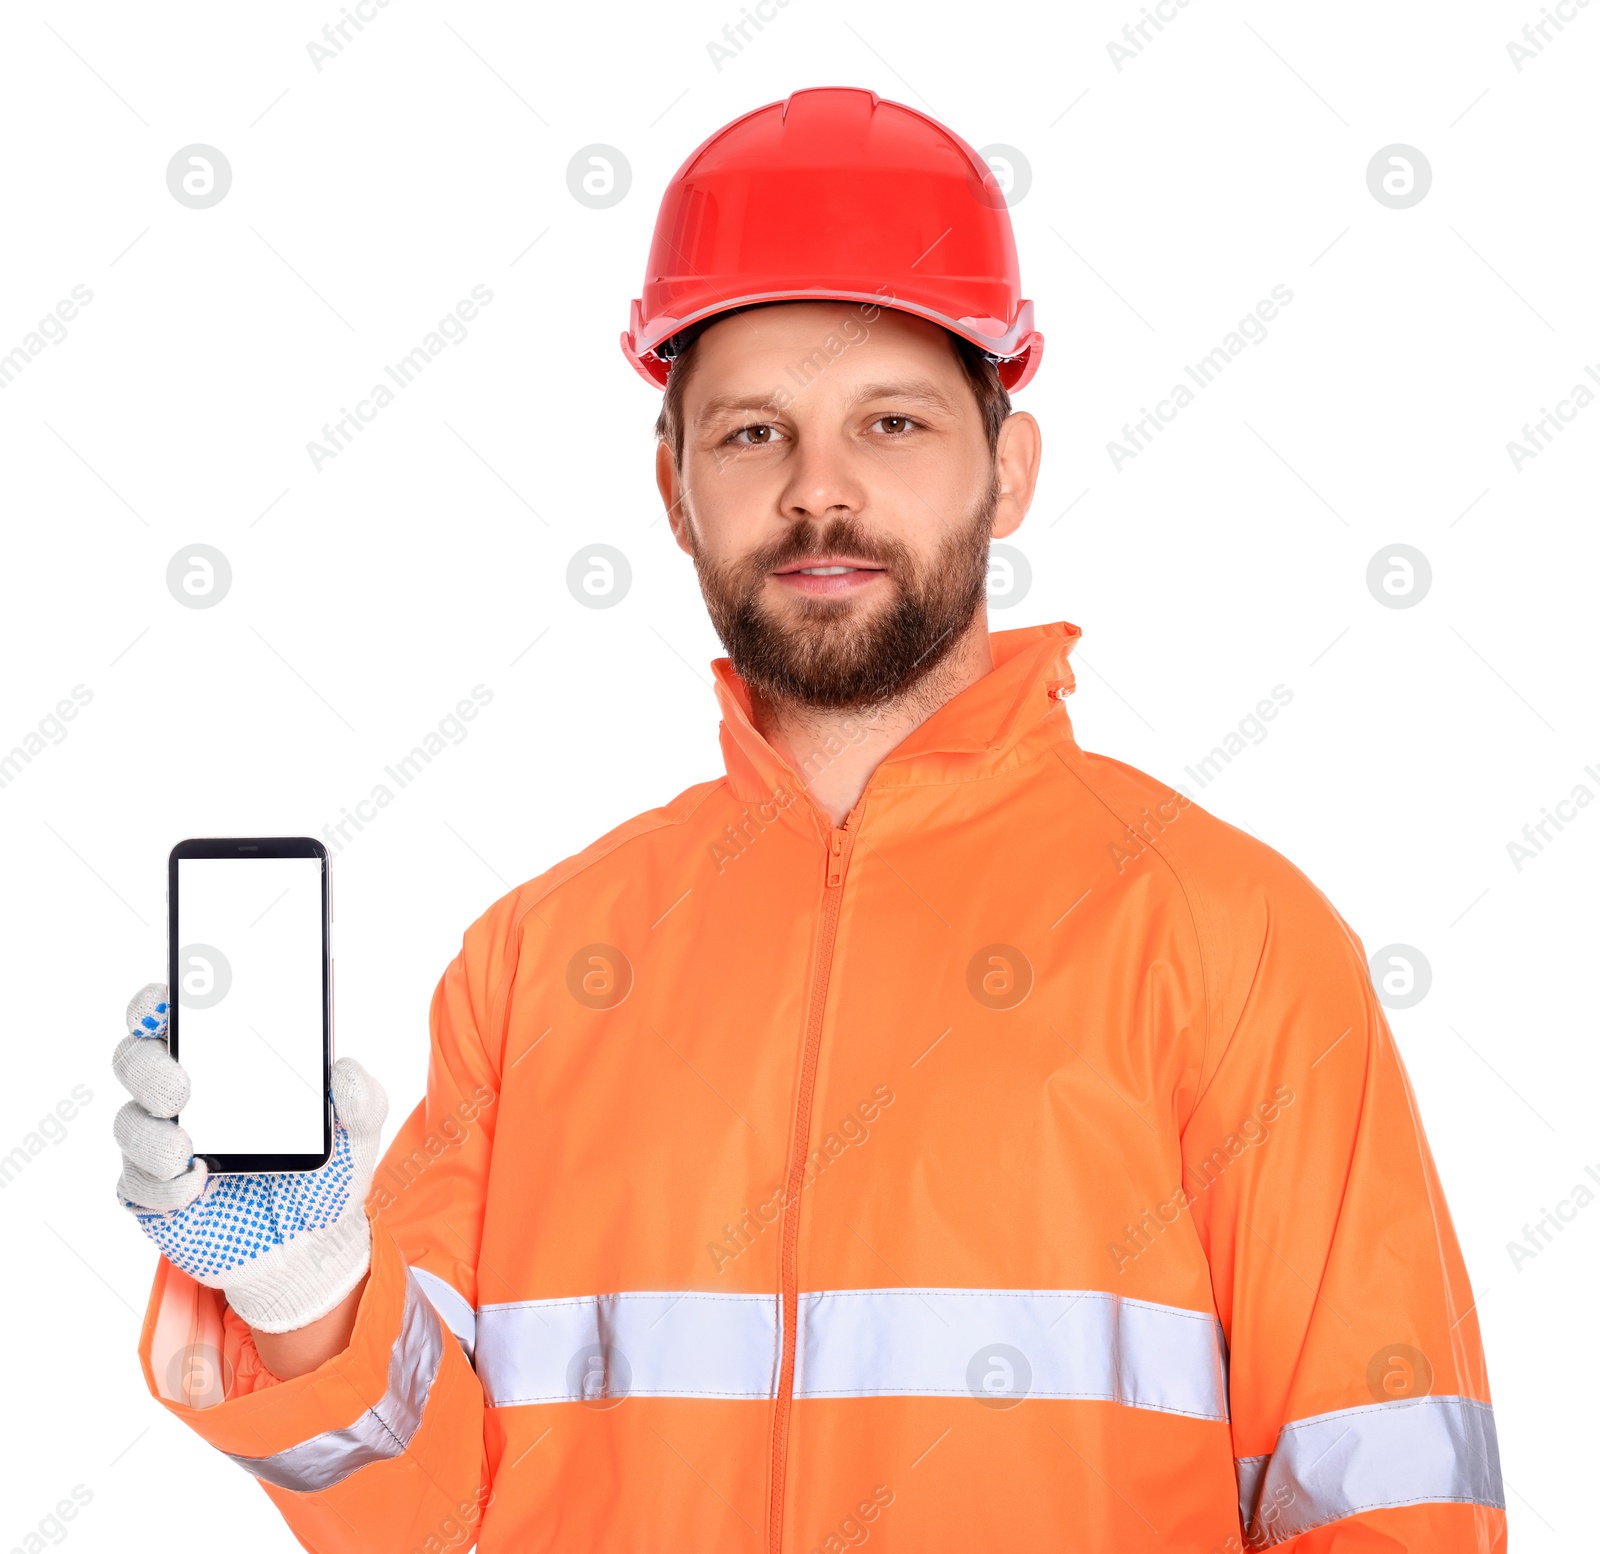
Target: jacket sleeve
(382, 1447)
(1359, 1400)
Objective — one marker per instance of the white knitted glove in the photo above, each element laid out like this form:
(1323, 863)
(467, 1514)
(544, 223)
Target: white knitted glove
(285, 1248)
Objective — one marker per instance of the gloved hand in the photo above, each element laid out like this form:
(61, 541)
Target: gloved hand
(284, 1248)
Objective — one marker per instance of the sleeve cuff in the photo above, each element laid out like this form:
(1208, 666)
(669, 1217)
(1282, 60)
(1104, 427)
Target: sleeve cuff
(204, 1369)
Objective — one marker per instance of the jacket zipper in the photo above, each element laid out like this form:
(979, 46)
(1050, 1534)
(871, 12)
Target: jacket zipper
(833, 891)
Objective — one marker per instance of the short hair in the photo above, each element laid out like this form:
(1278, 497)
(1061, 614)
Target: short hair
(983, 378)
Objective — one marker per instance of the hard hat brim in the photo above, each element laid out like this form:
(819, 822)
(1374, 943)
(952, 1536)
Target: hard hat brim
(1016, 347)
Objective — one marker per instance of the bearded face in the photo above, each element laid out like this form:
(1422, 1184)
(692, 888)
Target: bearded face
(845, 653)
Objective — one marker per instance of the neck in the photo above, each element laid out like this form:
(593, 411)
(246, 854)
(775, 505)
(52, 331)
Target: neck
(835, 752)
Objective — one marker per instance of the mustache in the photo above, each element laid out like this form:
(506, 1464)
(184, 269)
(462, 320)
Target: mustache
(841, 537)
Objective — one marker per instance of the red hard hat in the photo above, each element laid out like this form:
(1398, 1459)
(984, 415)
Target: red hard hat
(836, 194)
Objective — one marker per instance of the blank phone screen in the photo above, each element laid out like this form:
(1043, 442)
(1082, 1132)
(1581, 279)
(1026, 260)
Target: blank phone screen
(250, 1004)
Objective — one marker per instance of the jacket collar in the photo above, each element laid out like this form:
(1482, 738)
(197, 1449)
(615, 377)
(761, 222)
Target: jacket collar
(971, 735)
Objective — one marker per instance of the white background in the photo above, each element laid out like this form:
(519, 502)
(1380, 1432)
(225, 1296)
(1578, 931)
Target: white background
(367, 599)
(254, 1056)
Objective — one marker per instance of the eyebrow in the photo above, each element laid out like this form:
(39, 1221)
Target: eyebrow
(921, 390)
(735, 404)
(924, 390)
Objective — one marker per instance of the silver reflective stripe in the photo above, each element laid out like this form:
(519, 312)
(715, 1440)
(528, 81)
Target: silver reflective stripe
(385, 1429)
(1249, 1471)
(1000, 1345)
(1418, 1451)
(452, 1305)
(595, 1347)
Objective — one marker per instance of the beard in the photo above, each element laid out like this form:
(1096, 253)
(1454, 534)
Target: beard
(830, 654)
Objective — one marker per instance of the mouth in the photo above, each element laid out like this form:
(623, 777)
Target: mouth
(828, 576)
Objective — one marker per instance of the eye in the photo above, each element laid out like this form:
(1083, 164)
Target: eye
(758, 436)
(895, 425)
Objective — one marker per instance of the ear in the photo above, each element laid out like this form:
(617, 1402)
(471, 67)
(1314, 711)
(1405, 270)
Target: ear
(670, 484)
(1016, 458)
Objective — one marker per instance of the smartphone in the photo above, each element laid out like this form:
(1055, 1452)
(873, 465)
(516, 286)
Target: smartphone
(250, 973)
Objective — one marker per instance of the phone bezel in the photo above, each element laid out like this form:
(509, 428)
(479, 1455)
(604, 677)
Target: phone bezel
(251, 847)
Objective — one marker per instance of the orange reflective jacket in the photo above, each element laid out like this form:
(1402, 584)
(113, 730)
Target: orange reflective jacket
(1026, 1163)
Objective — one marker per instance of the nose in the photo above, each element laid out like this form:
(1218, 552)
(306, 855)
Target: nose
(823, 483)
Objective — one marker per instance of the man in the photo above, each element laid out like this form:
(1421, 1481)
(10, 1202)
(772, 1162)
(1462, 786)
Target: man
(927, 1132)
